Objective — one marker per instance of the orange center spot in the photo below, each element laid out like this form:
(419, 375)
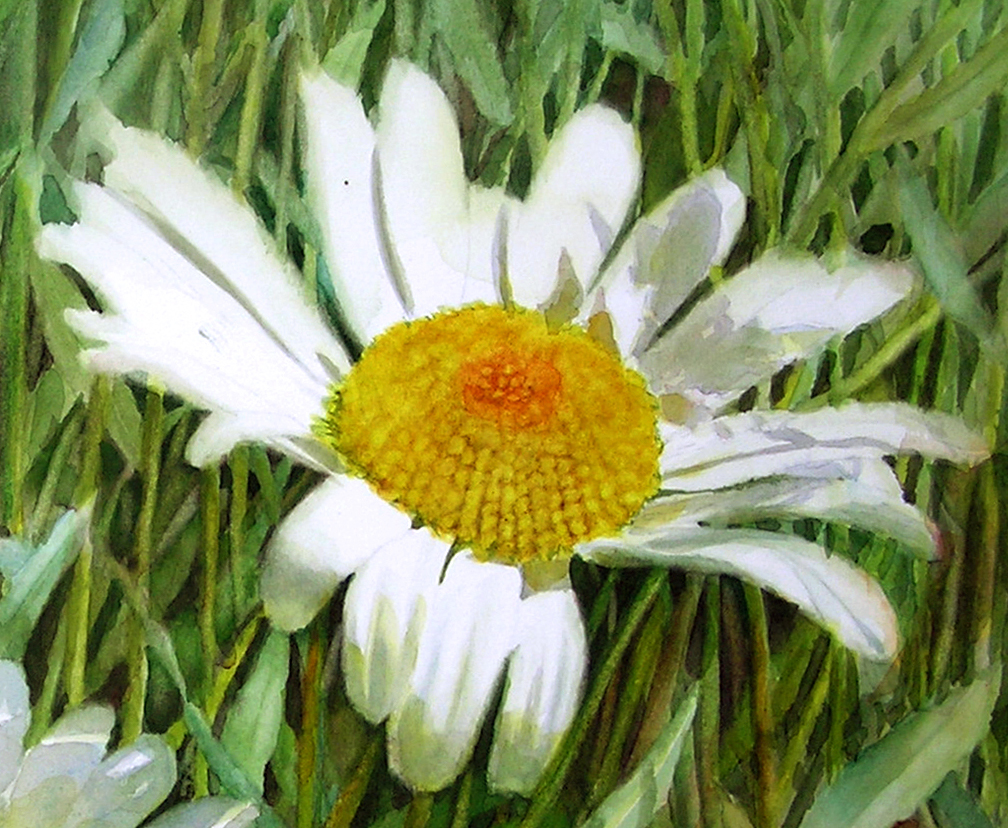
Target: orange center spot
(509, 389)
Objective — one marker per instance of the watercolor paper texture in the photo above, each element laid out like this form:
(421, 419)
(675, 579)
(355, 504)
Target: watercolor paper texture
(428, 413)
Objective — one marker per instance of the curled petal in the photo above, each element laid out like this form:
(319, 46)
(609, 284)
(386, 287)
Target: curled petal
(541, 692)
(468, 634)
(326, 537)
(829, 589)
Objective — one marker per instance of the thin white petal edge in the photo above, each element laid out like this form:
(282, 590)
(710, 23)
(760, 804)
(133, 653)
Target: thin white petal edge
(332, 532)
(829, 589)
(542, 689)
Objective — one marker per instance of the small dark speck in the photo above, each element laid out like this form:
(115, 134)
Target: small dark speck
(346, 182)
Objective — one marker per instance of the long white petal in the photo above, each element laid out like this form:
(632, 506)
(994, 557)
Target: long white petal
(667, 254)
(774, 312)
(166, 318)
(326, 537)
(870, 500)
(542, 690)
(733, 449)
(208, 812)
(828, 588)
(463, 647)
(576, 204)
(126, 786)
(339, 157)
(198, 213)
(423, 187)
(15, 713)
(385, 611)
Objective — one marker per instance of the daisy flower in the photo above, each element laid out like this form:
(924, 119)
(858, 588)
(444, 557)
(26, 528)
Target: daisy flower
(518, 398)
(67, 780)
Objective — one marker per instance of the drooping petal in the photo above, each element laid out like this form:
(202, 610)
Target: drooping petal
(198, 214)
(15, 714)
(163, 316)
(870, 500)
(828, 588)
(386, 608)
(55, 770)
(129, 784)
(667, 254)
(541, 692)
(733, 449)
(339, 160)
(576, 204)
(326, 537)
(423, 188)
(774, 312)
(463, 646)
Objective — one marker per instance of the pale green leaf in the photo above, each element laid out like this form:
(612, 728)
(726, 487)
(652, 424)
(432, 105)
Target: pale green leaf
(986, 220)
(963, 89)
(635, 803)
(870, 28)
(623, 33)
(893, 777)
(345, 60)
(251, 728)
(101, 38)
(29, 587)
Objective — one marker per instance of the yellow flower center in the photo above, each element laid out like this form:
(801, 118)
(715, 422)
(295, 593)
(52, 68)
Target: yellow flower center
(498, 433)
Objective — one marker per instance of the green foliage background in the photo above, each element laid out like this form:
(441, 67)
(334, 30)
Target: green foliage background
(881, 125)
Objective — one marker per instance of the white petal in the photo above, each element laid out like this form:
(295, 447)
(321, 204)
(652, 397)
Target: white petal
(208, 812)
(339, 159)
(385, 611)
(774, 312)
(199, 214)
(166, 318)
(541, 692)
(463, 646)
(828, 588)
(871, 500)
(129, 784)
(326, 537)
(577, 203)
(423, 187)
(15, 714)
(741, 447)
(55, 769)
(667, 254)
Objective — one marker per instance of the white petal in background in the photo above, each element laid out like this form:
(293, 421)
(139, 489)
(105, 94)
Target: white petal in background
(339, 160)
(209, 812)
(576, 204)
(774, 312)
(221, 236)
(737, 448)
(385, 611)
(542, 689)
(668, 253)
(463, 647)
(15, 714)
(325, 537)
(829, 589)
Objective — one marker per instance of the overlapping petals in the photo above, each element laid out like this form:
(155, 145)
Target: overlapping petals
(209, 309)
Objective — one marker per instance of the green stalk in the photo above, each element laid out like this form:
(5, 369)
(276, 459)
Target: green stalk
(248, 130)
(460, 818)
(708, 723)
(761, 712)
(287, 120)
(419, 810)
(348, 802)
(210, 521)
(202, 75)
(239, 464)
(552, 782)
(797, 750)
(307, 747)
(983, 601)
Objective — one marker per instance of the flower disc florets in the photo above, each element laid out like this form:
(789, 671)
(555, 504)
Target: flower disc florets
(508, 437)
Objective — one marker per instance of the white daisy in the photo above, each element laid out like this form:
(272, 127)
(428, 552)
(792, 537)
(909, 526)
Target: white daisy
(66, 780)
(507, 401)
